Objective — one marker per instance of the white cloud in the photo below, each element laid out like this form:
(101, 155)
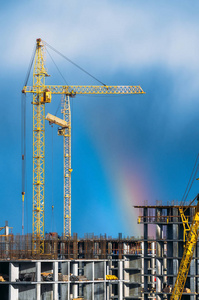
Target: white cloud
(106, 34)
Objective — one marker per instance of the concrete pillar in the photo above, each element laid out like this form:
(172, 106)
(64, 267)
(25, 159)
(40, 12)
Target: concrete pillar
(153, 264)
(175, 246)
(105, 268)
(159, 252)
(68, 297)
(108, 293)
(104, 296)
(165, 269)
(158, 272)
(104, 277)
(13, 271)
(55, 278)
(38, 291)
(6, 230)
(38, 278)
(93, 274)
(120, 277)
(38, 271)
(13, 292)
(75, 286)
(145, 253)
(142, 264)
(7, 240)
(126, 290)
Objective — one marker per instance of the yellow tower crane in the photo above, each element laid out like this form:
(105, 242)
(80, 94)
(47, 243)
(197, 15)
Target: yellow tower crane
(65, 131)
(42, 95)
(192, 237)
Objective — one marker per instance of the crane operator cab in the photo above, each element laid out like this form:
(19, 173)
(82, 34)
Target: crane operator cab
(46, 97)
(60, 131)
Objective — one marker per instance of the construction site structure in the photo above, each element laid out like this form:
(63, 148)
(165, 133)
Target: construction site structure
(169, 248)
(41, 95)
(102, 267)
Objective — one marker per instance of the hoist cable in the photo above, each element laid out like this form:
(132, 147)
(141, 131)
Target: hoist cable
(23, 136)
(57, 67)
(191, 184)
(191, 180)
(73, 63)
(59, 104)
(52, 216)
(30, 66)
(190, 203)
(23, 152)
(27, 195)
(58, 107)
(52, 164)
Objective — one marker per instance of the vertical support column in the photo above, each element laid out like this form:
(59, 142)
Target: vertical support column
(55, 278)
(93, 274)
(104, 277)
(142, 264)
(39, 74)
(153, 264)
(108, 291)
(159, 251)
(13, 271)
(165, 269)
(6, 228)
(67, 166)
(170, 280)
(7, 239)
(107, 284)
(145, 252)
(13, 292)
(120, 277)
(38, 278)
(69, 285)
(158, 258)
(75, 286)
(13, 275)
(175, 245)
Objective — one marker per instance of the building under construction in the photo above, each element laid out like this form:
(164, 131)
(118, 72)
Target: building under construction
(98, 268)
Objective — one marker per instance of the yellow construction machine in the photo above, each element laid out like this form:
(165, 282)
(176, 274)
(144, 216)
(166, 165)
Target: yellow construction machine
(189, 249)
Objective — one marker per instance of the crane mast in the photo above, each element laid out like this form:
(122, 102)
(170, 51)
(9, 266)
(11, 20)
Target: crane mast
(65, 131)
(42, 95)
(39, 74)
(67, 166)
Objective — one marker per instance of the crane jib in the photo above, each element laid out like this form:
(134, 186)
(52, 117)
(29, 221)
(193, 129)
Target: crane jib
(87, 89)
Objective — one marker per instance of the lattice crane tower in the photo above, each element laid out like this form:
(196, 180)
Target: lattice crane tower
(42, 95)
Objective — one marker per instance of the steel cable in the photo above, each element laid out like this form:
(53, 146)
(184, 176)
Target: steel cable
(73, 63)
(191, 180)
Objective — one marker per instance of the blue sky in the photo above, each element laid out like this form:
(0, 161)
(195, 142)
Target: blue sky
(125, 150)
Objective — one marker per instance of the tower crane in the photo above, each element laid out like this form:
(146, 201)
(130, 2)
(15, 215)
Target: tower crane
(65, 131)
(189, 249)
(42, 94)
